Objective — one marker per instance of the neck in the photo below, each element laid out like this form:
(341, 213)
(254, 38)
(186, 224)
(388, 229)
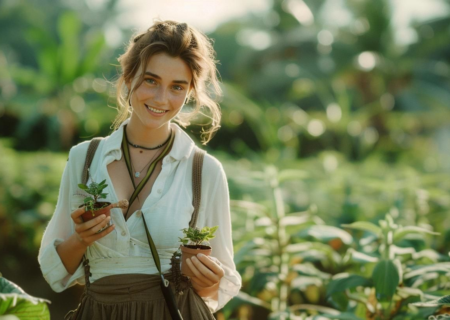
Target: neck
(147, 137)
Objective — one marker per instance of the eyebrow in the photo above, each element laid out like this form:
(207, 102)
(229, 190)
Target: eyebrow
(158, 77)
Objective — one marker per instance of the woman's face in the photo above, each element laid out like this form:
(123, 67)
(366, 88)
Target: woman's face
(161, 95)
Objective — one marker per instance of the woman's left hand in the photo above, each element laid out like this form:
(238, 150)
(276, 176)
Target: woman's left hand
(207, 275)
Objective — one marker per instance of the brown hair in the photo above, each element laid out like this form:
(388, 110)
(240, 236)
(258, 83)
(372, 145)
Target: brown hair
(177, 40)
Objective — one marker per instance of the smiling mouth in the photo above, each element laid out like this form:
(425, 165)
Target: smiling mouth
(155, 110)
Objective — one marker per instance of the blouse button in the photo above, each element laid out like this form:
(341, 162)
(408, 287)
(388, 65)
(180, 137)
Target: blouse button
(124, 233)
(138, 213)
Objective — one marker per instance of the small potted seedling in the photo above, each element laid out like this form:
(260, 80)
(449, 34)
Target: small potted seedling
(94, 207)
(195, 241)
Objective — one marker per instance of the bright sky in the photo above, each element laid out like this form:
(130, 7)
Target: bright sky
(203, 14)
(208, 14)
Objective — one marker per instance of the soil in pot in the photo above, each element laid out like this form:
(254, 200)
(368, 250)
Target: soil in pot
(89, 215)
(187, 251)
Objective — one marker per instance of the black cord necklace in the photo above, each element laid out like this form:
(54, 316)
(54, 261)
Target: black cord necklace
(154, 148)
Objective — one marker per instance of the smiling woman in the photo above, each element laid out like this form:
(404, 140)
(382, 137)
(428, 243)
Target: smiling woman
(190, 57)
(131, 267)
(167, 82)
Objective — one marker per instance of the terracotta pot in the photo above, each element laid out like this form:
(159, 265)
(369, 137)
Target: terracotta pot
(187, 253)
(89, 215)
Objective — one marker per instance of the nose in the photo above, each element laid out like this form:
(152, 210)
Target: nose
(160, 97)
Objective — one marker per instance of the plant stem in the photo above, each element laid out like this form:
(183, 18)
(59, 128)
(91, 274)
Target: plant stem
(283, 267)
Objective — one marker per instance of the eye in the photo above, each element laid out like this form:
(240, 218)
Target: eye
(150, 81)
(178, 88)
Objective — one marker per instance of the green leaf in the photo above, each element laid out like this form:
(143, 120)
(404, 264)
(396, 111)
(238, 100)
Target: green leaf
(327, 233)
(343, 316)
(214, 229)
(352, 281)
(69, 27)
(361, 257)
(252, 300)
(95, 46)
(83, 186)
(308, 269)
(444, 301)
(14, 301)
(88, 199)
(403, 231)
(364, 226)
(440, 268)
(301, 282)
(385, 278)
(197, 236)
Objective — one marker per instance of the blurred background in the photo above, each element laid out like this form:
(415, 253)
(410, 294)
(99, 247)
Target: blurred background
(334, 111)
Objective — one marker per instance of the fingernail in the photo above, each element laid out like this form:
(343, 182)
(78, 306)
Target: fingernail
(103, 216)
(194, 258)
(200, 255)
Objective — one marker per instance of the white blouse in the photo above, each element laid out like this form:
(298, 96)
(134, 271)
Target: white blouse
(167, 210)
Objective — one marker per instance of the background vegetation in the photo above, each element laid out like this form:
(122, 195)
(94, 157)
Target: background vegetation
(334, 139)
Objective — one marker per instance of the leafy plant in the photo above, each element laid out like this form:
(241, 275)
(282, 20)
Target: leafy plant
(385, 258)
(96, 190)
(197, 236)
(16, 304)
(285, 257)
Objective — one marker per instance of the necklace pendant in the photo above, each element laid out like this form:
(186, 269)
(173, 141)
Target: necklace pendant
(137, 174)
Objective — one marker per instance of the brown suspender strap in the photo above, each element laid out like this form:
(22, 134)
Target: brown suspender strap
(197, 166)
(89, 156)
(93, 145)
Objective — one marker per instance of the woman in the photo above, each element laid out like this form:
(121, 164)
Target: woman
(162, 69)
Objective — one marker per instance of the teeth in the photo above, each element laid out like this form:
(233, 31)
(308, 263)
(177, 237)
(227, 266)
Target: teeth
(155, 110)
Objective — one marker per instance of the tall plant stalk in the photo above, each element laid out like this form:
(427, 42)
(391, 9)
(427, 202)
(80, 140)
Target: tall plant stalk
(281, 239)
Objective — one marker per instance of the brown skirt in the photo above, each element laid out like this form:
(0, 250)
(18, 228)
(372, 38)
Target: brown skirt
(136, 297)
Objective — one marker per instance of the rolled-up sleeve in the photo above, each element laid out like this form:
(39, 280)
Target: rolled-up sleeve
(59, 229)
(218, 214)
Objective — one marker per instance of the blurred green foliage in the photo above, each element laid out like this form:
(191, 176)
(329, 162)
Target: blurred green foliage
(296, 254)
(334, 138)
(16, 304)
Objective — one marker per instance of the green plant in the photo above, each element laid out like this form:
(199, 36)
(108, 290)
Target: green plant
(279, 251)
(295, 266)
(196, 236)
(387, 271)
(96, 192)
(16, 304)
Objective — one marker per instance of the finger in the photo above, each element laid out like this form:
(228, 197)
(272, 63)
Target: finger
(95, 229)
(89, 224)
(205, 271)
(212, 263)
(100, 226)
(197, 275)
(198, 269)
(76, 215)
(198, 285)
(100, 235)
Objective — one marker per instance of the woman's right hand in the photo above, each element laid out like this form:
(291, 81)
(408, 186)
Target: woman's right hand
(86, 232)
